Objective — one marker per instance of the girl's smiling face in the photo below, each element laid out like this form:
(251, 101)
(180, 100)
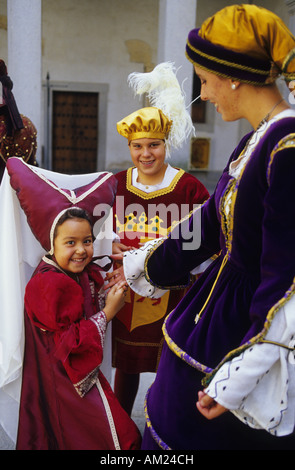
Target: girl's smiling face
(73, 245)
(148, 155)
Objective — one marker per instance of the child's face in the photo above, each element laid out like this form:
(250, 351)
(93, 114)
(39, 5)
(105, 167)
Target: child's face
(73, 245)
(148, 155)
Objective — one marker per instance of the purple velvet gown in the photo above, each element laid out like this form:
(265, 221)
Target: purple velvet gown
(254, 269)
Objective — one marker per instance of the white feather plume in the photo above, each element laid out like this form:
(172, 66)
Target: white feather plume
(164, 92)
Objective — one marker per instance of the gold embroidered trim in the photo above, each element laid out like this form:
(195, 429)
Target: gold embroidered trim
(150, 252)
(227, 220)
(289, 77)
(149, 425)
(152, 249)
(136, 343)
(259, 337)
(24, 158)
(275, 343)
(290, 291)
(181, 353)
(224, 261)
(130, 343)
(285, 143)
(224, 75)
(153, 194)
(226, 62)
(86, 383)
(289, 57)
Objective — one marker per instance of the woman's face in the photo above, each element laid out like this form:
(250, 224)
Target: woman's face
(148, 155)
(218, 91)
(73, 245)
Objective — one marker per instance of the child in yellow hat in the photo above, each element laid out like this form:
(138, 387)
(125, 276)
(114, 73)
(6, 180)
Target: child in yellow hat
(152, 195)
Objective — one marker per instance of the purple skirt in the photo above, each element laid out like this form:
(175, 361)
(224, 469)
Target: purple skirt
(173, 421)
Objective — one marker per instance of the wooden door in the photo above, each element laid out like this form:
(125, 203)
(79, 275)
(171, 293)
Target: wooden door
(75, 132)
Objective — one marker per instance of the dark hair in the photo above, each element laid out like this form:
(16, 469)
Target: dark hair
(74, 213)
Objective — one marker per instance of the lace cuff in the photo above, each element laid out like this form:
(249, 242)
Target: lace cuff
(133, 264)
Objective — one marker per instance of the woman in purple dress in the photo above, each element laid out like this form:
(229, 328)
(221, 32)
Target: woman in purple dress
(226, 375)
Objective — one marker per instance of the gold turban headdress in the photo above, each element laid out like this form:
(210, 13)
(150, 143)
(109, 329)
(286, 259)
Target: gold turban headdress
(167, 118)
(149, 122)
(246, 43)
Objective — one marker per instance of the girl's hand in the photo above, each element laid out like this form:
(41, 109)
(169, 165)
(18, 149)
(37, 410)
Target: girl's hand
(209, 407)
(118, 249)
(115, 300)
(115, 277)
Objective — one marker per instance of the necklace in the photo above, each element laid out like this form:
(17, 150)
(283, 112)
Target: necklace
(266, 118)
(253, 137)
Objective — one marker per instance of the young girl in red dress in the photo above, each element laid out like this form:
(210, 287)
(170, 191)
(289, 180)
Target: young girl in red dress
(66, 402)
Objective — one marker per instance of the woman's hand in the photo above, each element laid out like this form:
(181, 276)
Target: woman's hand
(118, 249)
(117, 275)
(209, 407)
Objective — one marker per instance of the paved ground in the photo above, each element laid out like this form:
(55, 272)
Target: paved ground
(137, 415)
(146, 380)
(5, 442)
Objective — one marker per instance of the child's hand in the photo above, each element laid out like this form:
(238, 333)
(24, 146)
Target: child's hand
(115, 300)
(115, 278)
(119, 249)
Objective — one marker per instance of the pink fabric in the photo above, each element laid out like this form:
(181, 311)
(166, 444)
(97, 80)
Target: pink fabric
(31, 189)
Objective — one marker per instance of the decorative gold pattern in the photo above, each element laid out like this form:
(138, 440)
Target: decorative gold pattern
(226, 62)
(287, 142)
(288, 75)
(22, 143)
(144, 344)
(227, 217)
(154, 247)
(86, 383)
(224, 261)
(223, 75)
(153, 194)
(256, 339)
(138, 224)
(154, 435)
(181, 353)
(133, 343)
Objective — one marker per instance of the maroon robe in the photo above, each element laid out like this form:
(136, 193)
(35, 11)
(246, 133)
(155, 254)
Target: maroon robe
(63, 391)
(139, 216)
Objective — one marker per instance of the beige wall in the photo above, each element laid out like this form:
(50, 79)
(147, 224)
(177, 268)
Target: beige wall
(96, 41)
(224, 136)
(102, 41)
(207, 8)
(3, 30)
